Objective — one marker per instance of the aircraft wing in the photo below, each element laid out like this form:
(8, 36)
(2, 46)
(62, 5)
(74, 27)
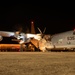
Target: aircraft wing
(6, 34)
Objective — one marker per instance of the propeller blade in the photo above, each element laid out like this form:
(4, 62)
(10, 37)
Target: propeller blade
(44, 30)
(39, 30)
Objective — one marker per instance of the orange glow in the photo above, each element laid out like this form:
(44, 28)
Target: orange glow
(9, 46)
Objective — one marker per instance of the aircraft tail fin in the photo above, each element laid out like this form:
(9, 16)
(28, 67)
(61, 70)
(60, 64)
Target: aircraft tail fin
(32, 27)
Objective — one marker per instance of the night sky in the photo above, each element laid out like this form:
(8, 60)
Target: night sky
(56, 18)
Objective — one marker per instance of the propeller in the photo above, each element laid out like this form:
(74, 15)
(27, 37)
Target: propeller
(42, 33)
(44, 30)
(39, 30)
(46, 37)
(17, 33)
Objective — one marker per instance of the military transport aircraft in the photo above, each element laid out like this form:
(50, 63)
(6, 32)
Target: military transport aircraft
(64, 40)
(40, 41)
